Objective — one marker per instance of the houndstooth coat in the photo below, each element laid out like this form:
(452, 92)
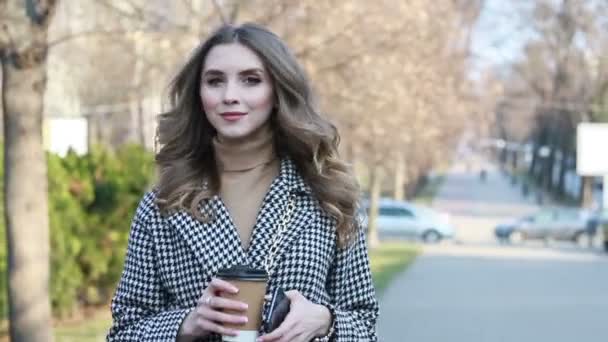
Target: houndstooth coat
(171, 259)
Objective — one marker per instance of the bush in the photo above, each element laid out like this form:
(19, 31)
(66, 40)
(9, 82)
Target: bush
(119, 182)
(92, 199)
(67, 221)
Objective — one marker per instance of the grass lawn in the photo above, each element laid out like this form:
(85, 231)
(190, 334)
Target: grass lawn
(93, 329)
(390, 259)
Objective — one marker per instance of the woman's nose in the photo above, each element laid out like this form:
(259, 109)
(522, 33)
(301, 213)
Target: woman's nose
(230, 93)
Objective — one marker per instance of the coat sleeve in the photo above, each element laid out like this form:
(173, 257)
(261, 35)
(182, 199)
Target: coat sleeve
(139, 306)
(352, 295)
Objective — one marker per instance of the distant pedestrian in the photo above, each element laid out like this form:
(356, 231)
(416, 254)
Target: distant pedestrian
(525, 189)
(483, 175)
(539, 197)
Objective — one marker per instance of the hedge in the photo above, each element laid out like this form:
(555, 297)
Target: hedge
(92, 199)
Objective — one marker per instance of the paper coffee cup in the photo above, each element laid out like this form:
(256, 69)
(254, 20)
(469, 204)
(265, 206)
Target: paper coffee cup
(251, 283)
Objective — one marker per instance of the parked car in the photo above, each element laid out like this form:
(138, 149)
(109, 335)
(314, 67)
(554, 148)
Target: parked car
(599, 223)
(563, 224)
(400, 219)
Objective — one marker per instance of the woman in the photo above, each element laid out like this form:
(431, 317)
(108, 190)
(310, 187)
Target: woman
(243, 153)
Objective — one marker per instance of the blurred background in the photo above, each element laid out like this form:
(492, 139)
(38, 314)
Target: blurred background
(459, 117)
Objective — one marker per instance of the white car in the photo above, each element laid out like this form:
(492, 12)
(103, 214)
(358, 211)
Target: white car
(400, 219)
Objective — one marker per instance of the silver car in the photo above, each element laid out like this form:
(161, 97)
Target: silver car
(400, 219)
(563, 224)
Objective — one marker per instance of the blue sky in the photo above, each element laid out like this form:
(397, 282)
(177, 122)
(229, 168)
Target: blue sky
(500, 33)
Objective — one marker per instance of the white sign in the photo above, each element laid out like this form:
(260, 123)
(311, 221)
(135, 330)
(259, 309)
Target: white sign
(592, 149)
(66, 133)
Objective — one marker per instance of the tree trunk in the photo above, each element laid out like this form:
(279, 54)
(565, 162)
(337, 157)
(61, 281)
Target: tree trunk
(375, 190)
(562, 173)
(26, 204)
(136, 97)
(534, 162)
(141, 124)
(399, 186)
(587, 192)
(23, 56)
(548, 171)
(504, 156)
(514, 160)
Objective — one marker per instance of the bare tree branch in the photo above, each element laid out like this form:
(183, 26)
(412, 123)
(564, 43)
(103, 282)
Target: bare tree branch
(220, 11)
(137, 15)
(146, 16)
(85, 34)
(328, 40)
(538, 89)
(270, 16)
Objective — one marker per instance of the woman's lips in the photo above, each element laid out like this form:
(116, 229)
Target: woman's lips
(232, 116)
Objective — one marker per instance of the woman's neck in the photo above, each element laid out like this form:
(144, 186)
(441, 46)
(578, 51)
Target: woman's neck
(244, 154)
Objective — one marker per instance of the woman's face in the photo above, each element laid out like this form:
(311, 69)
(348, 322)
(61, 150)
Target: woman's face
(236, 92)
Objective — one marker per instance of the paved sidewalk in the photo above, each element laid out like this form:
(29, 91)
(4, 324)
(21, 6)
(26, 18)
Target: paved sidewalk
(477, 290)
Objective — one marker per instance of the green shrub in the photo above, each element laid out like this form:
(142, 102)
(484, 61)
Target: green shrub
(67, 221)
(92, 199)
(119, 181)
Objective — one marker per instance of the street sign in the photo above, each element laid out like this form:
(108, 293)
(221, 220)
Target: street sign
(61, 134)
(591, 154)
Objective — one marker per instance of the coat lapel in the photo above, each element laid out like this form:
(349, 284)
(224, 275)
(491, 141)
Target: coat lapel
(288, 187)
(214, 244)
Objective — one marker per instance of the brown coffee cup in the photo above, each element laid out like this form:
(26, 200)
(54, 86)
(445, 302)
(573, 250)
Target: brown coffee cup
(251, 283)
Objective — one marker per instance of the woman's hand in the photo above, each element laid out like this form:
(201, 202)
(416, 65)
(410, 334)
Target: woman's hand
(305, 321)
(207, 318)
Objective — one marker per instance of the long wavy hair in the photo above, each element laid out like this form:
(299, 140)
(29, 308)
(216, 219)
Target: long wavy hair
(185, 156)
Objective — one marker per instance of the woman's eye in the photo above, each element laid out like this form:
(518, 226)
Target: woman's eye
(252, 80)
(214, 81)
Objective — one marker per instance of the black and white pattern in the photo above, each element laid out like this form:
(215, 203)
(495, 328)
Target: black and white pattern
(171, 259)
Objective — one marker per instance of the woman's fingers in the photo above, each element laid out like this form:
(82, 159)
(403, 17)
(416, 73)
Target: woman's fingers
(280, 332)
(294, 337)
(219, 285)
(229, 304)
(210, 307)
(221, 317)
(293, 295)
(223, 303)
(211, 326)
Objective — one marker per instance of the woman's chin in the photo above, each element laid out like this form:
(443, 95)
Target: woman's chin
(233, 136)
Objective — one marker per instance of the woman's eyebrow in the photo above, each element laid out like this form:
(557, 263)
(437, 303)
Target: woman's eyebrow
(248, 71)
(212, 72)
(251, 71)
